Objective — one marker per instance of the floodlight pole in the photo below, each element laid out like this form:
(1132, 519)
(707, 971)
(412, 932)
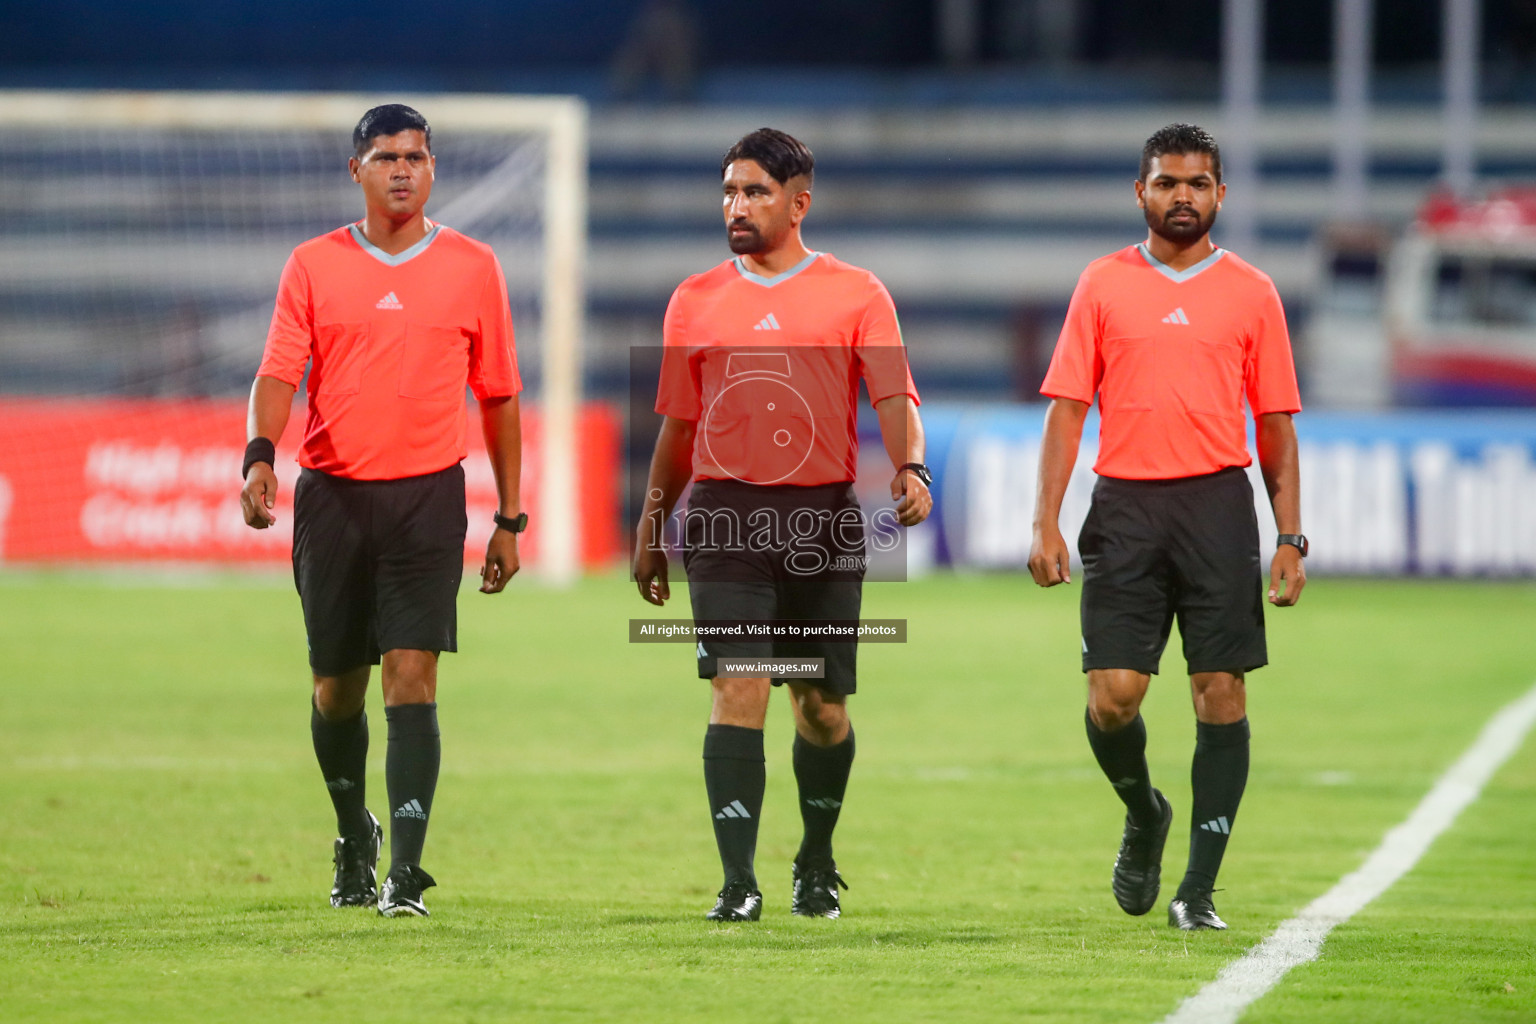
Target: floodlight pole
(565, 233)
(1242, 61)
(1458, 68)
(1352, 21)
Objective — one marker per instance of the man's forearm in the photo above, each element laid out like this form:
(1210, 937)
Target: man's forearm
(901, 429)
(502, 423)
(1058, 456)
(267, 414)
(1280, 465)
(671, 467)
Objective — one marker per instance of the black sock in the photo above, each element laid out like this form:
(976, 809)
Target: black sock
(734, 776)
(341, 747)
(1122, 755)
(1217, 776)
(410, 770)
(822, 774)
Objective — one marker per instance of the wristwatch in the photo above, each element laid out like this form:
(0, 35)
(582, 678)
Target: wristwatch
(512, 524)
(1295, 540)
(918, 470)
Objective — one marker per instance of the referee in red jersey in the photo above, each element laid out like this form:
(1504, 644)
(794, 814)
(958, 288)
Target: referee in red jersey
(1172, 335)
(761, 365)
(394, 316)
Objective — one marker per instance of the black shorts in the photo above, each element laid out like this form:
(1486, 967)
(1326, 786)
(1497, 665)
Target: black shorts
(811, 568)
(1154, 550)
(378, 565)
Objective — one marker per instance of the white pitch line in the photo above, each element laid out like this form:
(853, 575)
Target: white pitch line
(1299, 940)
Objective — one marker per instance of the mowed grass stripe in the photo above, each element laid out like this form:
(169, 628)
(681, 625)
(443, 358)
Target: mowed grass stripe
(165, 851)
(1300, 939)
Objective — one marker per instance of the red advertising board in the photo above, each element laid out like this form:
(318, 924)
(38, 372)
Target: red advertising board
(90, 480)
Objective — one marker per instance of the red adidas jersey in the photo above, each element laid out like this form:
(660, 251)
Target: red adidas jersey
(1171, 356)
(390, 342)
(770, 368)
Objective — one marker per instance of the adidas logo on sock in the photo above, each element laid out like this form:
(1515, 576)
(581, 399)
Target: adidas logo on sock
(1177, 317)
(339, 785)
(388, 302)
(824, 803)
(411, 809)
(1125, 783)
(767, 323)
(1219, 825)
(734, 809)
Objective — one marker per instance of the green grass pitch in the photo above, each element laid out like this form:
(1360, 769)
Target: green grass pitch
(165, 839)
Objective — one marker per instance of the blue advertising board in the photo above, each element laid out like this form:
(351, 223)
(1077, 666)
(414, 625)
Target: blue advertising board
(1434, 493)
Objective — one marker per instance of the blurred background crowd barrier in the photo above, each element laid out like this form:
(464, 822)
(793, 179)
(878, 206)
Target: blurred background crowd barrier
(975, 154)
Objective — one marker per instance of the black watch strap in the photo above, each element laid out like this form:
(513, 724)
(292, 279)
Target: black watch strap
(921, 471)
(512, 524)
(1295, 540)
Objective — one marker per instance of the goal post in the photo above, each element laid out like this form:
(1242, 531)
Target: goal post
(523, 190)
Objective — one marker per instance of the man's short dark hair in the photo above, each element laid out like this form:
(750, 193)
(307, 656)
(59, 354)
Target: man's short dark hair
(389, 119)
(783, 156)
(1183, 140)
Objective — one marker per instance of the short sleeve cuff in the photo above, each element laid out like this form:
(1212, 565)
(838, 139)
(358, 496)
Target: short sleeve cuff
(911, 393)
(1055, 391)
(291, 379)
(482, 391)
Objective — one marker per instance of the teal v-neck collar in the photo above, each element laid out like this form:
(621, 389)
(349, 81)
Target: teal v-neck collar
(779, 278)
(1179, 276)
(393, 259)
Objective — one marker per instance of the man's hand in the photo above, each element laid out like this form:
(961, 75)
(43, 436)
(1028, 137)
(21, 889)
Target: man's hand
(501, 562)
(913, 502)
(258, 496)
(1287, 575)
(1049, 561)
(650, 570)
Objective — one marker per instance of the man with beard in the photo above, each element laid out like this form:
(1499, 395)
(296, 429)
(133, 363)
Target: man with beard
(760, 372)
(1171, 335)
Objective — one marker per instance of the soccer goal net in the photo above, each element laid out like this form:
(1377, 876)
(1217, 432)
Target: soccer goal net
(144, 235)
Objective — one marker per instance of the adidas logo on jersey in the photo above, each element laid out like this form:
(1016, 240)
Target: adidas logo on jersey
(734, 809)
(411, 809)
(388, 302)
(767, 323)
(1177, 317)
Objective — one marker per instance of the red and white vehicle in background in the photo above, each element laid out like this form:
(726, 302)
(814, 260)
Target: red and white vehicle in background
(1460, 306)
(1445, 315)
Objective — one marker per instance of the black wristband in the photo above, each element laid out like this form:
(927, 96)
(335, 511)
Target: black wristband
(919, 470)
(258, 449)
